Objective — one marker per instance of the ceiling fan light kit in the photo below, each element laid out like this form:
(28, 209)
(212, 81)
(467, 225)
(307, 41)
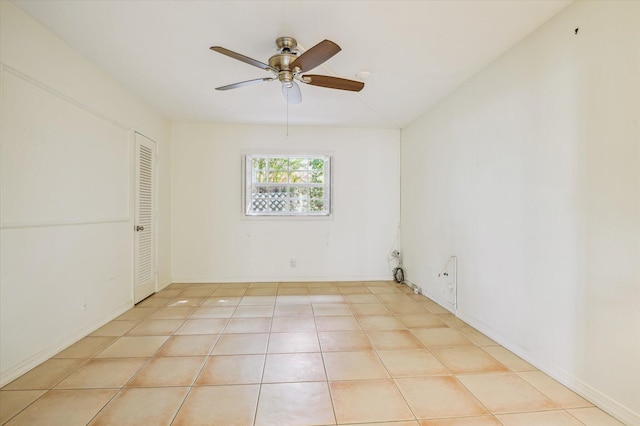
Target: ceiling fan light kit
(288, 67)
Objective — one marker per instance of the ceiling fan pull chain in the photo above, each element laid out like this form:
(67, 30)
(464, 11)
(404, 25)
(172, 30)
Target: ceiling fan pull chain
(287, 135)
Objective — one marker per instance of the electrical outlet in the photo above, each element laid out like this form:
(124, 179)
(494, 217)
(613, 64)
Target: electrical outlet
(293, 263)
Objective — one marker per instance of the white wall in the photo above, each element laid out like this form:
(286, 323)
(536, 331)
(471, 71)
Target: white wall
(66, 231)
(214, 241)
(530, 174)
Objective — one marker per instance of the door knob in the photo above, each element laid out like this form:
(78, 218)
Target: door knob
(139, 228)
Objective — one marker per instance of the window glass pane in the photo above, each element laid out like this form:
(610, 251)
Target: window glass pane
(278, 205)
(316, 205)
(278, 163)
(316, 177)
(259, 199)
(316, 192)
(278, 170)
(259, 166)
(277, 191)
(298, 163)
(299, 205)
(278, 176)
(299, 177)
(299, 192)
(316, 163)
(278, 198)
(259, 163)
(287, 185)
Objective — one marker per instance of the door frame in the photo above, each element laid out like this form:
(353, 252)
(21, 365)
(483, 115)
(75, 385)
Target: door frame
(153, 285)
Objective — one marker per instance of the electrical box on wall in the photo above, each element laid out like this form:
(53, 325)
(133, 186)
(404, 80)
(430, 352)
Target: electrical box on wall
(447, 282)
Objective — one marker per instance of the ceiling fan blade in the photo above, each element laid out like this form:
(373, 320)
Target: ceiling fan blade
(315, 56)
(244, 83)
(333, 82)
(292, 94)
(245, 59)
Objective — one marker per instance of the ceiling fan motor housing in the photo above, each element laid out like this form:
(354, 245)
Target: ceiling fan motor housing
(286, 43)
(282, 62)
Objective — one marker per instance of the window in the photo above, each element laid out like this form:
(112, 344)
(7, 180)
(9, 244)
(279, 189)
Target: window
(287, 185)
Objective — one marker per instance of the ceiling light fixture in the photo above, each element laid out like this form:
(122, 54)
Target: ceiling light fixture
(363, 75)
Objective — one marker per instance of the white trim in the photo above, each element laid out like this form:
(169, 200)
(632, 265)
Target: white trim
(607, 404)
(2, 70)
(435, 298)
(284, 217)
(597, 398)
(61, 223)
(278, 278)
(25, 77)
(38, 358)
(15, 225)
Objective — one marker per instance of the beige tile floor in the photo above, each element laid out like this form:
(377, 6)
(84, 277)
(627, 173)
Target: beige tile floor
(296, 354)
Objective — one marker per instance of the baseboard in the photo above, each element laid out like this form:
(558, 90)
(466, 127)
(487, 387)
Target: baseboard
(596, 397)
(440, 301)
(48, 352)
(263, 279)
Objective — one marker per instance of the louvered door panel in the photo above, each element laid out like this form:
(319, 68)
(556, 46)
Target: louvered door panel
(144, 218)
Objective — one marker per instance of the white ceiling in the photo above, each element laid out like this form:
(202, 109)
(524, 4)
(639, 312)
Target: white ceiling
(416, 51)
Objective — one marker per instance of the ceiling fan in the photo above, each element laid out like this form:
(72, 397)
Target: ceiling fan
(288, 67)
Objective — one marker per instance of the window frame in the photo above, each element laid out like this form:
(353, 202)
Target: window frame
(248, 184)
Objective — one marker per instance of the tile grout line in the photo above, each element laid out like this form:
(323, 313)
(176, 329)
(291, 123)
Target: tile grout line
(148, 359)
(124, 386)
(344, 293)
(324, 366)
(264, 360)
(195, 379)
